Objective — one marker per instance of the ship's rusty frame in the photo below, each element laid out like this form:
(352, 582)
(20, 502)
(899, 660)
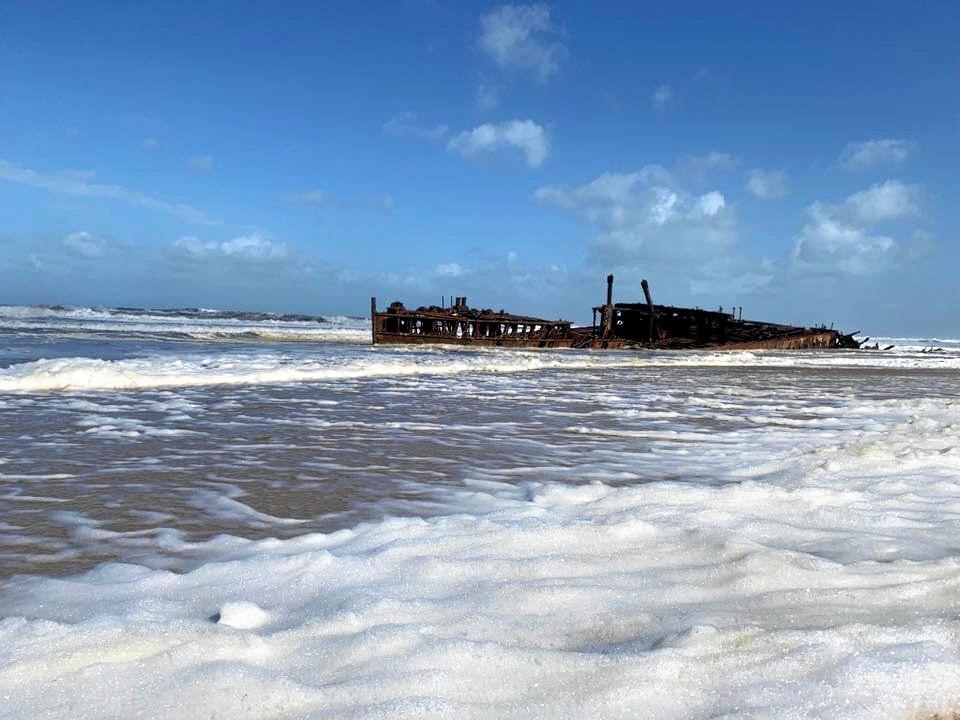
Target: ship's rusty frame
(462, 325)
(615, 325)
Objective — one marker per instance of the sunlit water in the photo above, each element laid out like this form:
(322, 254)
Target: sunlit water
(267, 517)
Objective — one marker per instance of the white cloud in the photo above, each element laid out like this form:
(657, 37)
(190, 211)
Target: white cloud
(605, 199)
(827, 244)
(521, 36)
(839, 238)
(448, 270)
(524, 135)
(662, 96)
(67, 183)
(315, 196)
(644, 215)
(486, 97)
(711, 204)
(885, 201)
(871, 153)
(85, 244)
(200, 163)
(405, 124)
(253, 247)
(767, 184)
(663, 206)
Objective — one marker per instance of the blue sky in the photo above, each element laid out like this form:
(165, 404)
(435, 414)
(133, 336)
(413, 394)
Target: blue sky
(799, 161)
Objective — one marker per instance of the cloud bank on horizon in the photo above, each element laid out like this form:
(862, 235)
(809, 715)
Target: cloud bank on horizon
(515, 155)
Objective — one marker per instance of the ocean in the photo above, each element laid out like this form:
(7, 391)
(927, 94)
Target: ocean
(207, 514)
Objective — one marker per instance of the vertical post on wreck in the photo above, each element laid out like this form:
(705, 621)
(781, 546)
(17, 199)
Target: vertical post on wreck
(608, 309)
(646, 294)
(373, 319)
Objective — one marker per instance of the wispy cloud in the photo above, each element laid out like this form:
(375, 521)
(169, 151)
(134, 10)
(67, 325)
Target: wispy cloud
(524, 135)
(522, 37)
(84, 244)
(385, 202)
(450, 269)
(767, 184)
(66, 183)
(486, 97)
(874, 153)
(315, 196)
(76, 255)
(701, 165)
(406, 124)
(200, 163)
(662, 96)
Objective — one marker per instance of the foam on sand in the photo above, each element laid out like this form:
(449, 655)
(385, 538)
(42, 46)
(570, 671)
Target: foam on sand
(242, 615)
(574, 602)
(823, 588)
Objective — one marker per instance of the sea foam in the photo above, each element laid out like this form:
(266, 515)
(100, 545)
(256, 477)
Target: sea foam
(655, 601)
(192, 370)
(822, 587)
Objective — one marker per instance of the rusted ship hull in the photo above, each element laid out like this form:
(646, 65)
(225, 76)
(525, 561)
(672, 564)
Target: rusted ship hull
(615, 325)
(825, 340)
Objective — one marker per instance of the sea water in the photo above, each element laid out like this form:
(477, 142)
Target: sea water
(244, 515)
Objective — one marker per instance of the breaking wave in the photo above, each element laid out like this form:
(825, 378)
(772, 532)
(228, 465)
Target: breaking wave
(176, 323)
(262, 368)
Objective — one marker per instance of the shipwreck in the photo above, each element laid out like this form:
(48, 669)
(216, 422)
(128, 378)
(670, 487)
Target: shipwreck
(615, 325)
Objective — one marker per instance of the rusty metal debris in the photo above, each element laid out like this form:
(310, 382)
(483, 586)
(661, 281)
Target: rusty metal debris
(615, 325)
